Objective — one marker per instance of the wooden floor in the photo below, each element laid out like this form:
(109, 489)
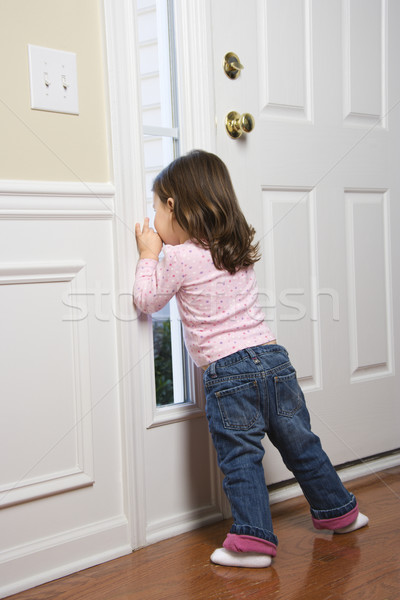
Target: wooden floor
(363, 565)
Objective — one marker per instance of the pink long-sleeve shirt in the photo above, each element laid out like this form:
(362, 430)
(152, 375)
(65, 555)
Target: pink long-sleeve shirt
(219, 311)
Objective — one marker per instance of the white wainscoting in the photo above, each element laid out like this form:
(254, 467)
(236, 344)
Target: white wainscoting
(74, 374)
(61, 475)
(38, 337)
(56, 200)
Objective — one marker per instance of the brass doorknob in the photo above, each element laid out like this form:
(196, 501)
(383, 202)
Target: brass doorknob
(237, 124)
(232, 65)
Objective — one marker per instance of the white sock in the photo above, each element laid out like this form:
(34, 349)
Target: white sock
(361, 521)
(227, 558)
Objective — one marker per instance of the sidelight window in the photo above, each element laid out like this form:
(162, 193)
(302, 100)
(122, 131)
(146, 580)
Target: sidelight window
(161, 146)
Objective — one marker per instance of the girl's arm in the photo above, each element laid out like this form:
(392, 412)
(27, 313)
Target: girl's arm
(156, 281)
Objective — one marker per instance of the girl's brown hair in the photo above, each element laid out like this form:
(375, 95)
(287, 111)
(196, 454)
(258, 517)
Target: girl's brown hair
(206, 206)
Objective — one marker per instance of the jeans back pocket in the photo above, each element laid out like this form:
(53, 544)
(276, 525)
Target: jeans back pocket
(289, 397)
(239, 406)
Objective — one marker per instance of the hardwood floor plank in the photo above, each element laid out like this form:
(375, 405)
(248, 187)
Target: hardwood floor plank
(310, 565)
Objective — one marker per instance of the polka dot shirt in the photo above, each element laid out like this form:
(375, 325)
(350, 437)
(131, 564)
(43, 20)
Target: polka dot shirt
(219, 311)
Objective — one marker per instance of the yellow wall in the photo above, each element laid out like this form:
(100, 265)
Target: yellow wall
(38, 145)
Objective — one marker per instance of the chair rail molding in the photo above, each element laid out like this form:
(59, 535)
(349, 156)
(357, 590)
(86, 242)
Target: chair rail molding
(56, 200)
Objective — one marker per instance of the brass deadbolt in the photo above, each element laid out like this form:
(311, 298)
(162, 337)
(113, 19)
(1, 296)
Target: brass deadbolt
(232, 65)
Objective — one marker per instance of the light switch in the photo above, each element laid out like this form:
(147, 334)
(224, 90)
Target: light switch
(53, 79)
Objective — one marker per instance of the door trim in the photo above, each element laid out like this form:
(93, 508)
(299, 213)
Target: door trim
(195, 96)
(125, 129)
(196, 99)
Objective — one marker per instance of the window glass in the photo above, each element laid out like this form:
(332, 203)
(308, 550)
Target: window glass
(156, 57)
(160, 146)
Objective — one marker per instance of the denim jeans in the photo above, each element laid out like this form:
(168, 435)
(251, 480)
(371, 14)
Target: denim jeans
(253, 392)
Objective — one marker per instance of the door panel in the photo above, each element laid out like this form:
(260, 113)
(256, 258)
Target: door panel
(317, 180)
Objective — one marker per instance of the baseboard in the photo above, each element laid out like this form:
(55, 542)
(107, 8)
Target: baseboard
(182, 523)
(167, 528)
(30, 565)
(367, 467)
(112, 536)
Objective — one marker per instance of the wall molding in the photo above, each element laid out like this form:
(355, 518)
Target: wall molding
(90, 545)
(56, 200)
(55, 483)
(39, 272)
(121, 39)
(81, 475)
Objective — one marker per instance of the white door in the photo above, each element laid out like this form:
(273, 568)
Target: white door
(319, 181)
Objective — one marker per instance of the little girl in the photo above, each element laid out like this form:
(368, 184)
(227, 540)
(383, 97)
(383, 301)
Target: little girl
(250, 385)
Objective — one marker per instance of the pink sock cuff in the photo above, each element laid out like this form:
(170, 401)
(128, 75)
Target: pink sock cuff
(248, 543)
(337, 522)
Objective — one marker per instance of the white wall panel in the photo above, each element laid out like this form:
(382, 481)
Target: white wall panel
(285, 58)
(181, 479)
(369, 277)
(62, 504)
(45, 382)
(364, 47)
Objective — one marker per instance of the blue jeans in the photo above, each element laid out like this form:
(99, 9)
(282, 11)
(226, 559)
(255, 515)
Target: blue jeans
(250, 393)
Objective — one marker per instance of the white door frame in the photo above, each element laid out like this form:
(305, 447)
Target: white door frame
(193, 49)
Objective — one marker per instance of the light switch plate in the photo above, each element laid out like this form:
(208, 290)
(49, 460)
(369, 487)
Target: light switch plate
(53, 79)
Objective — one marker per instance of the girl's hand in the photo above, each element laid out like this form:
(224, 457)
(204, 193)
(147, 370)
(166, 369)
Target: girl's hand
(148, 241)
